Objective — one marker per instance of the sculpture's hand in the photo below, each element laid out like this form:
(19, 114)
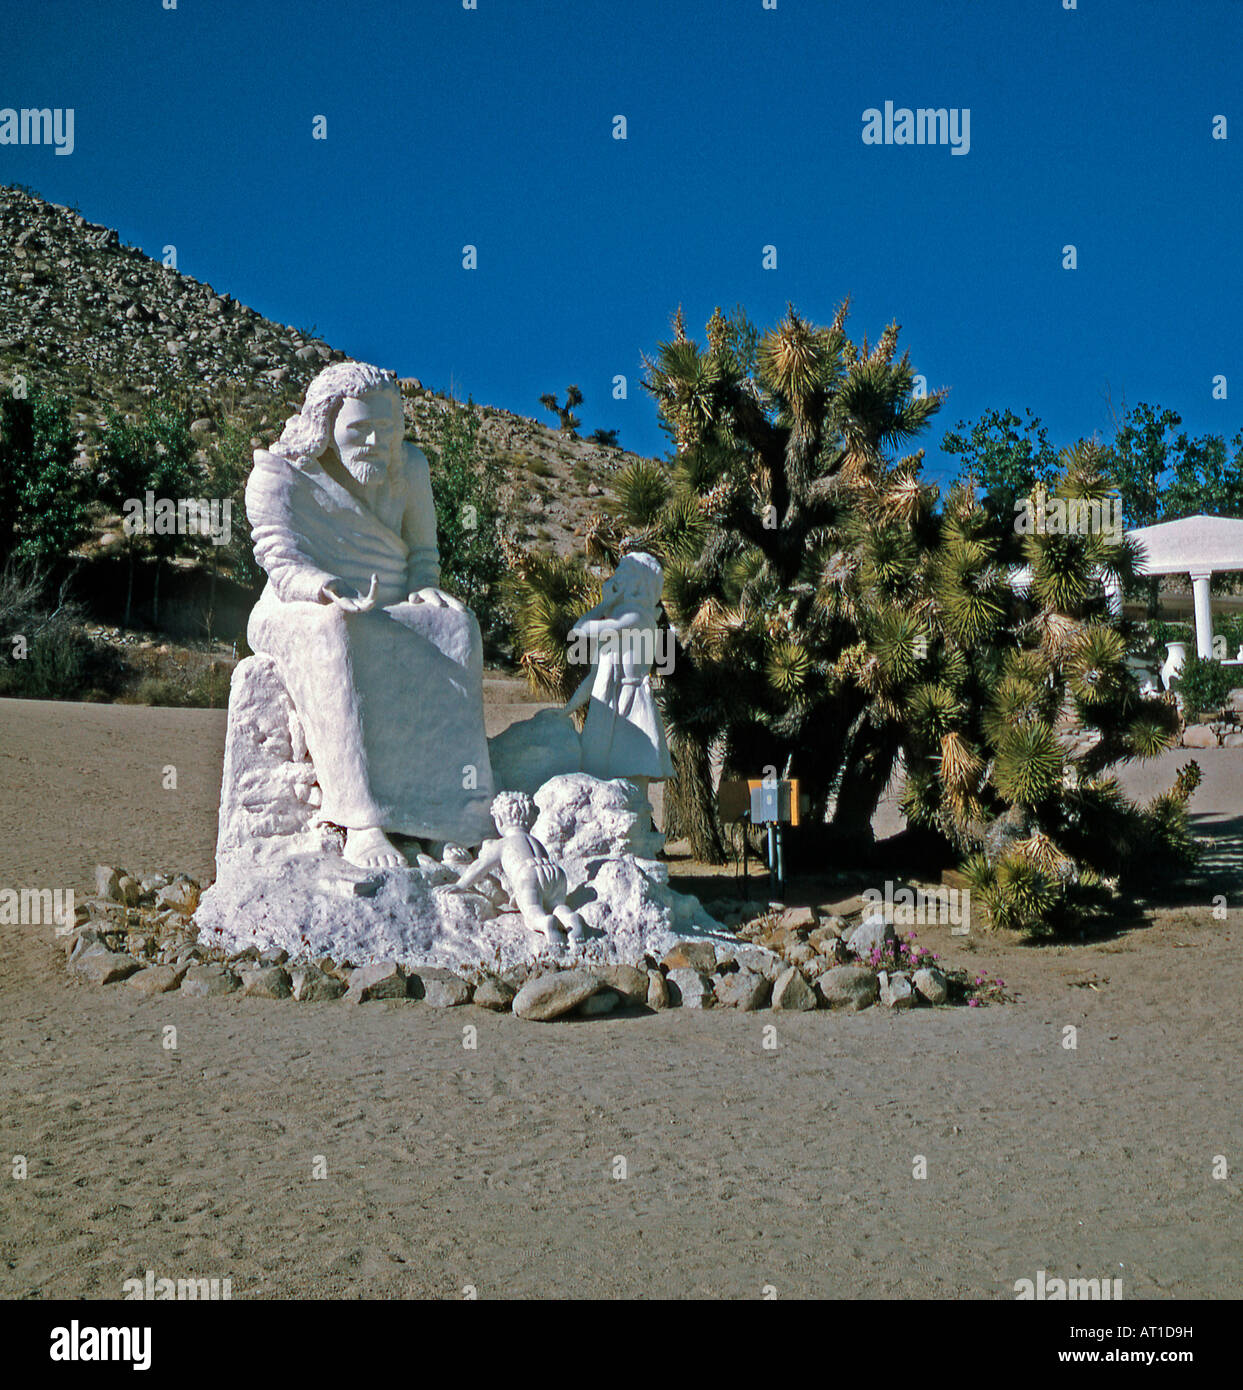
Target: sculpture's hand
(364, 603)
(438, 599)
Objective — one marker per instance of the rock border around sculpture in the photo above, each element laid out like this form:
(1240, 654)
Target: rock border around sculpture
(140, 935)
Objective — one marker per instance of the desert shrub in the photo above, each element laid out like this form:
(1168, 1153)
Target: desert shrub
(58, 664)
(1203, 684)
(156, 690)
(211, 688)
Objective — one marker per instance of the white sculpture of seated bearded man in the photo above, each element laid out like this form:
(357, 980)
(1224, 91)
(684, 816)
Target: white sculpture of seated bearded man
(384, 669)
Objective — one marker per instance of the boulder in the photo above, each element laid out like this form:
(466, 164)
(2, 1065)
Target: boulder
(266, 982)
(82, 940)
(130, 890)
(181, 896)
(102, 967)
(156, 979)
(873, 932)
(896, 991)
(743, 990)
(931, 984)
(690, 988)
(852, 987)
(208, 981)
(596, 1004)
(549, 996)
(1199, 736)
(758, 959)
(495, 994)
(691, 955)
(657, 991)
(798, 918)
(442, 989)
(628, 980)
(107, 883)
(384, 980)
(310, 984)
(792, 993)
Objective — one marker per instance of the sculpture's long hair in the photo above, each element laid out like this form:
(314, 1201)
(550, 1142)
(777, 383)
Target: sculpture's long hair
(308, 434)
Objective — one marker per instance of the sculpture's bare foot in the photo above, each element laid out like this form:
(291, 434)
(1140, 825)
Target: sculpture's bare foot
(370, 848)
(556, 937)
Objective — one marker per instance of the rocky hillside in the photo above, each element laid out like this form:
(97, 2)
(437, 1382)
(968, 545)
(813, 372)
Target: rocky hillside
(103, 324)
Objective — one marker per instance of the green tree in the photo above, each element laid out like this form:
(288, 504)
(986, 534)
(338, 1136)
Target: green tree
(1003, 455)
(1141, 458)
(151, 454)
(471, 494)
(43, 510)
(1208, 478)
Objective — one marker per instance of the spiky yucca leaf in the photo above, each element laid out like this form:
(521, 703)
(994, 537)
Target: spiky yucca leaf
(1057, 633)
(1028, 767)
(899, 643)
(933, 709)
(1061, 576)
(1095, 665)
(640, 493)
(1039, 850)
(1015, 701)
(788, 667)
(969, 591)
(888, 557)
(1022, 897)
(920, 799)
(682, 527)
(1151, 733)
(960, 764)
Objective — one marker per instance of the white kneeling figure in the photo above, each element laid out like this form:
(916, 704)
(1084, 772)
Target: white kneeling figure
(623, 734)
(383, 669)
(538, 884)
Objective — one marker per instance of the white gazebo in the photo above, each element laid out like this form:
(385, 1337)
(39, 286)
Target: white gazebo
(1197, 546)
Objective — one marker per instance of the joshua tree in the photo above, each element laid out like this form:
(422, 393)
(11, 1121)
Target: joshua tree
(834, 624)
(569, 421)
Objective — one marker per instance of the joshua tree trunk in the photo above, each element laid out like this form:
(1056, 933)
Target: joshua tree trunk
(690, 806)
(869, 766)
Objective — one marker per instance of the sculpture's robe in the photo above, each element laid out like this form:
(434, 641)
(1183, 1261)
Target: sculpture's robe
(623, 734)
(391, 700)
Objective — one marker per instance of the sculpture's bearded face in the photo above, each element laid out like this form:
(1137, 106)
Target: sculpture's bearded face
(367, 433)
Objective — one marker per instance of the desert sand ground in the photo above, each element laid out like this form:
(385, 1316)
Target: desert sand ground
(496, 1168)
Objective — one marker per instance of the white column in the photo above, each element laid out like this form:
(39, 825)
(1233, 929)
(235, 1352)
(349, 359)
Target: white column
(1204, 614)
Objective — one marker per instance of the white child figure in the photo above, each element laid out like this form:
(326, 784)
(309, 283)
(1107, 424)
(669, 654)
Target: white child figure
(537, 883)
(623, 735)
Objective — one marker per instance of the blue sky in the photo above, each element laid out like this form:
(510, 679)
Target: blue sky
(494, 127)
